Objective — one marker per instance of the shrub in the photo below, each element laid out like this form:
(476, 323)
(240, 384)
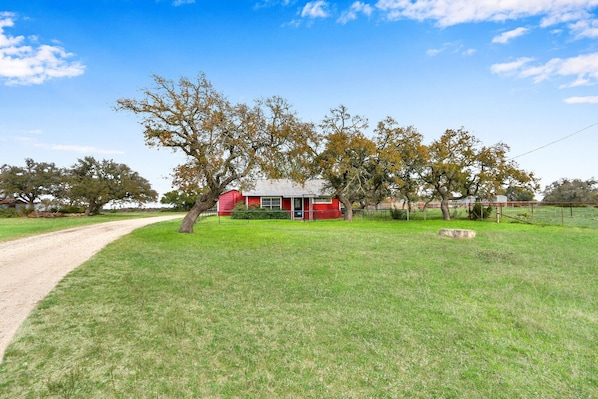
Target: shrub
(398, 214)
(256, 213)
(480, 212)
(71, 209)
(8, 213)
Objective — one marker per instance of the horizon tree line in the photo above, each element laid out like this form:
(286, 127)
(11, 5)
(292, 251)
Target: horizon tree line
(228, 144)
(231, 145)
(88, 185)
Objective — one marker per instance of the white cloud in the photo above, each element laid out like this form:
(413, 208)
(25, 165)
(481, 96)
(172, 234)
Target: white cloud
(82, 149)
(511, 67)
(577, 83)
(177, 3)
(582, 100)
(315, 9)
(453, 47)
(447, 13)
(583, 68)
(352, 13)
(434, 51)
(31, 139)
(585, 28)
(272, 3)
(22, 64)
(506, 37)
(559, 16)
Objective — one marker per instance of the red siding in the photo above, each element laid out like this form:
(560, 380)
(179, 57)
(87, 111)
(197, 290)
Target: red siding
(227, 202)
(327, 211)
(315, 211)
(255, 201)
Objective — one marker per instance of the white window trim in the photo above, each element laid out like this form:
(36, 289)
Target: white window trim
(322, 200)
(271, 198)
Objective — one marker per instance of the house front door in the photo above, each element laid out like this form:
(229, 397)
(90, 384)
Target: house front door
(297, 208)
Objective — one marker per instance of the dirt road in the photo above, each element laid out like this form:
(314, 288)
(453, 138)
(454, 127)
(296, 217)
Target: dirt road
(31, 267)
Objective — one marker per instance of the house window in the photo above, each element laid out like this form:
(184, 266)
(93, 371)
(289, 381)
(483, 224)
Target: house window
(323, 200)
(271, 202)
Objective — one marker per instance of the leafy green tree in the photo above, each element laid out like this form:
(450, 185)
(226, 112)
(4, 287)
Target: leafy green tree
(572, 191)
(345, 162)
(517, 193)
(31, 182)
(458, 167)
(401, 158)
(449, 159)
(225, 144)
(96, 183)
(180, 201)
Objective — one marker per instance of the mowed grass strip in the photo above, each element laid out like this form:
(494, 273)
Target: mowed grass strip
(327, 309)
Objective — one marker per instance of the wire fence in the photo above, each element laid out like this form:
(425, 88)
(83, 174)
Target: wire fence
(533, 212)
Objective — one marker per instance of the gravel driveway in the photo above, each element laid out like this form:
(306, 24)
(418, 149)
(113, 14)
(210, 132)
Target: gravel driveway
(31, 267)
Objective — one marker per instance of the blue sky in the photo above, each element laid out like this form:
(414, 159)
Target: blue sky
(521, 72)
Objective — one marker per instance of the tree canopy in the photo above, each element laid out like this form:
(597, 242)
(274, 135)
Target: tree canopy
(96, 183)
(402, 157)
(32, 181)
(224, 143)
(458, 166)
(571, 191)
(345, 162)
(227, 144)
(89, 183)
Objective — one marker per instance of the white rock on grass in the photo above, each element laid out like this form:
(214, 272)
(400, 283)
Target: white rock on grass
(457, 233)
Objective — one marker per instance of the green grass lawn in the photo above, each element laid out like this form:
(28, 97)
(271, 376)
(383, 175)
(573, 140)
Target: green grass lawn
(11, 228)
(319, 310)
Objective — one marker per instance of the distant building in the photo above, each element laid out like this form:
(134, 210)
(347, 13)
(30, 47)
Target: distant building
(17, 204)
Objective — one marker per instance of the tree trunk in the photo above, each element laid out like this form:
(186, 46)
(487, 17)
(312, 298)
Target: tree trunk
(348, 207)
(191, 217)
(444, 207)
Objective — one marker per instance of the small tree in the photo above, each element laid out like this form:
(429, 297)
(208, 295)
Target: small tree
(180, 200)
(518, 193)
(479, 212)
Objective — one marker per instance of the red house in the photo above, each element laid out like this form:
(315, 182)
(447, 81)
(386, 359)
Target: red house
(308, 201)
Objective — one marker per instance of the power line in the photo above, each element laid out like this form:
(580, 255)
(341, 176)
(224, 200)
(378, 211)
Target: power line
(556, 141)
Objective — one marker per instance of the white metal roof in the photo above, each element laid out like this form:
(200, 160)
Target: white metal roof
(287, 188)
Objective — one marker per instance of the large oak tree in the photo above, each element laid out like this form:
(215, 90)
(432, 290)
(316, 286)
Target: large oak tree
(225, 144)
(402, 157)
(96, 183)
(458, 166)
(32, 181)
(572, 191)
(346, 160)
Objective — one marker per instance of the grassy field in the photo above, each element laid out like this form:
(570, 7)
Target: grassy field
(311, 310)
(11, 228)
